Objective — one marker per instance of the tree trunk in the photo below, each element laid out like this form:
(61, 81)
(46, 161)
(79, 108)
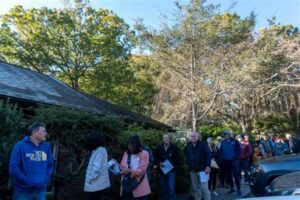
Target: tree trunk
(194, 117)
(244, 127)
(75, 82)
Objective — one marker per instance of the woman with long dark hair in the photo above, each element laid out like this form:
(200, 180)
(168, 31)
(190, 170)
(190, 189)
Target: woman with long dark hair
(134, 164)
(97, 177)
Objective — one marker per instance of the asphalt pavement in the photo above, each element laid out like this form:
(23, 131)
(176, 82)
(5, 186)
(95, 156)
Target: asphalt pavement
(222, 193)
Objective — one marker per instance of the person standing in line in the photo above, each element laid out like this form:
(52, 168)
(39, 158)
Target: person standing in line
(191, 189)
(265, 147)
(31, 165)
(230, 151)
(280, 146)
(198, 159)
(134, 163)
(214, 169)
(247, 141)
(244, 158)
(167, 151)
(97, 176)
(223, 183)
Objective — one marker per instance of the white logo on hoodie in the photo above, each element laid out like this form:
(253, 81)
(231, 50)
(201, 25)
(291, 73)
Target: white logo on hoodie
(37, 156)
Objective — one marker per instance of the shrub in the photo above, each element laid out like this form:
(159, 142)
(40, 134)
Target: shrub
(70, 127)
(151, 137)
(10, 133)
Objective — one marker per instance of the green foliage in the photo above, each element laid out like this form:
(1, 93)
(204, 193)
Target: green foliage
(182, 179)
(215, 130)
(151, 137)
(133, 88)
(228, 29)
(89, 49)
(274, 125)
(195, 55)
(70, 127)
(66, 42)
(211, 131)
(268, 56)
(10, 134)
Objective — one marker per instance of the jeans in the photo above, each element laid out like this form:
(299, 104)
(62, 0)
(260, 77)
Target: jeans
(231, 168)
(244, 165)
(222, 175)
(212, 179)
(29, 196)
(200, 189)
(167, 182)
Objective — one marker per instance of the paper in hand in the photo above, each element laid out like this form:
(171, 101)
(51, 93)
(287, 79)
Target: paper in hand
(111, 163)
(167, 167)
(113, 166)
(204, 177)
(116, 170)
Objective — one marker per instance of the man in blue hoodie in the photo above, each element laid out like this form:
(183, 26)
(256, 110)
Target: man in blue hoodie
(230, 152)
(31, 165)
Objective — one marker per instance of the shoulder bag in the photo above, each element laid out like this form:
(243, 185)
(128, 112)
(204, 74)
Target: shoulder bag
(129, 183)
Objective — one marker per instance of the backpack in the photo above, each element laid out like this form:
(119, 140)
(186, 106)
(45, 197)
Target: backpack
(151, 160)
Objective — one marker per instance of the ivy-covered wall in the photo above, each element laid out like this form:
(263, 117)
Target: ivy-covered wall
(69, 128)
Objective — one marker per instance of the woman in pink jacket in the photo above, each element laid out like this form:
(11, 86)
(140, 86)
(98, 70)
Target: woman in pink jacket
(139, 160)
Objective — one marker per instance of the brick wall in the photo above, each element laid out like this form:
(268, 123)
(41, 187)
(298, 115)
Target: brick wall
(68, 185)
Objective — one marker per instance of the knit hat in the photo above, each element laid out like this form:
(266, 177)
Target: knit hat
(227, 132)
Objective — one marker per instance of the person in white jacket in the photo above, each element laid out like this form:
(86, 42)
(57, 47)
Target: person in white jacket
(97, 176)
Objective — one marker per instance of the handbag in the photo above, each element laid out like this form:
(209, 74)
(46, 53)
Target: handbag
(214, 164)
(129, 183)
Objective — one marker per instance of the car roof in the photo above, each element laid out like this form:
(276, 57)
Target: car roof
(273, 198)
(276, 159)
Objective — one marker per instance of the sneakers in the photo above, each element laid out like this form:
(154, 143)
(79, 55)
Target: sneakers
(231, 191)
(215, 193)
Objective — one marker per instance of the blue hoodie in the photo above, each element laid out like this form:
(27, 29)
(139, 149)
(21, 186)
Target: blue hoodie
(31, 166)
(230, 149)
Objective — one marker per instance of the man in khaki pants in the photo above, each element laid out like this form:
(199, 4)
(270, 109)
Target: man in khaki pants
(198, 158)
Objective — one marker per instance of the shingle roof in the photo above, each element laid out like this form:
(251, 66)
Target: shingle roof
(28, 85)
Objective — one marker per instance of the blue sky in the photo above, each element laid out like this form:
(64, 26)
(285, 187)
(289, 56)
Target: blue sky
(286, 11)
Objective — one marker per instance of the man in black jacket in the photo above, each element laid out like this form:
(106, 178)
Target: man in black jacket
(198, 158)
(167, 151)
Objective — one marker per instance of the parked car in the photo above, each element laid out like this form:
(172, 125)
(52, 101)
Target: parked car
(273, 198)
(288, 184)
(262, 173)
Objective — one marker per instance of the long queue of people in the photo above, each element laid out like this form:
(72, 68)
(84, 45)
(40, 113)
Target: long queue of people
(31, 165)
(275, 145)
(234, 156)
